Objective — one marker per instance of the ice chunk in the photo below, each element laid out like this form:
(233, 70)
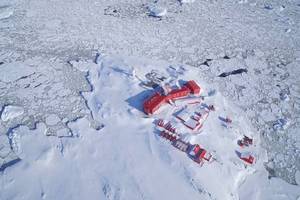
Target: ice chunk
(6, 12)
(10, 112)
(280, 124)
(281, 8)
(187, 1)
(80, 65)
(268, 7)
(288, 30)
(14, 138)
(284, 95)
(243, 1)
(157, 11)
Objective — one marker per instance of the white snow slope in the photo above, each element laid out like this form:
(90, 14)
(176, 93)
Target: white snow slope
(127, 159)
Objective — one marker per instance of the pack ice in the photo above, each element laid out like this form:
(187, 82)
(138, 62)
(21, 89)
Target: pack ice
(9, 112)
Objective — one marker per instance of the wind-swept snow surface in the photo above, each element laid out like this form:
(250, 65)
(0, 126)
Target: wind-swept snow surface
(127, 159)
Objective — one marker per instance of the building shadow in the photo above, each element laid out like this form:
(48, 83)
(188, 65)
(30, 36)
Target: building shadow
(138, 100)
(239, 154)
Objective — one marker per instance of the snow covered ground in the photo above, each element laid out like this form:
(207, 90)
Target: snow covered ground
(50, 85)
(127, 159)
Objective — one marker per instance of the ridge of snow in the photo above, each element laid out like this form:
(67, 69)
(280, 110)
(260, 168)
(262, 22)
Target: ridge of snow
(10, 112)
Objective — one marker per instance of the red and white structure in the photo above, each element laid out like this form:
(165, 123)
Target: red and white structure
(194, 121)
(194, 151)
(157, 100)
(154, 103)
(167, 126)
(199, 154)
(247, 157)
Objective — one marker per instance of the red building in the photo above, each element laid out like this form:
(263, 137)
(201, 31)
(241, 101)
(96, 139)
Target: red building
(154, 103)
(194, 88)
(247, 157)
(157, 100)
(197, 154)
(178, 93)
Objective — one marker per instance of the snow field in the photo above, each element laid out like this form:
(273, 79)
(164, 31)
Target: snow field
(126, 159)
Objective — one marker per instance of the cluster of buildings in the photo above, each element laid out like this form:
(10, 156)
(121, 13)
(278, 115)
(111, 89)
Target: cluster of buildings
(157, 100)
(192, 119)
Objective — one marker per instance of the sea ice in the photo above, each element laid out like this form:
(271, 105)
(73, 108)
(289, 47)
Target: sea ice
(52, 119)
(13, 71)
(10, 112)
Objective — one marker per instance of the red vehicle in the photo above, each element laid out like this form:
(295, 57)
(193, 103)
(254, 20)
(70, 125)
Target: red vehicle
(247, 157)
(197, 154)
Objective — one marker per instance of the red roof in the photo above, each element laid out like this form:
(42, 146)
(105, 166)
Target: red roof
(153, 103)
(202, 155)
(178, 93)
(197, 149)
(193, 86)
(249, 159)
